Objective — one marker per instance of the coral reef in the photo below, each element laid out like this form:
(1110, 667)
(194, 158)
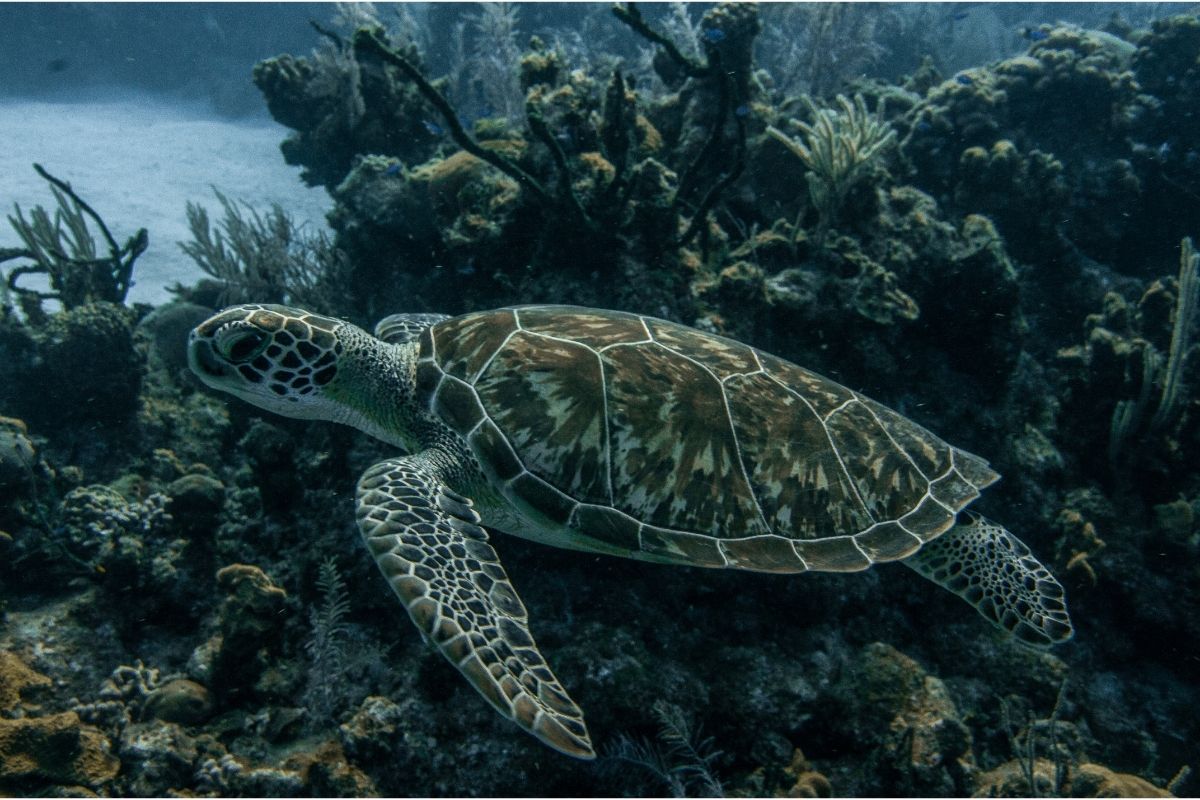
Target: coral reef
(16, 678)
(185, 608)
(263, 257)
(237, 657)
(1087, 780)
(54, 749)
(837, 149)
(65, 251)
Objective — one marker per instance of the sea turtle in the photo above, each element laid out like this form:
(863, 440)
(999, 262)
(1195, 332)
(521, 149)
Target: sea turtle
(615, 433)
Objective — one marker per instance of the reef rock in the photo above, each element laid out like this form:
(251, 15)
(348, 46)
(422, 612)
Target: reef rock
(15, 679)
(1051, 780)
(16, 454)
(54, 749)
(921, 746)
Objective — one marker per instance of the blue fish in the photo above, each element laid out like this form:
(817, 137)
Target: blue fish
(393, 169)
(924, 126)
(1036, 35)
(433, 128)
(742, 111)
(960, 16)
(714, 35)
(964, 80)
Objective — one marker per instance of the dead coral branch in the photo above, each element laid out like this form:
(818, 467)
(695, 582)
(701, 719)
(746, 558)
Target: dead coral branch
(714, 150)
(366, 40)
(64, 249)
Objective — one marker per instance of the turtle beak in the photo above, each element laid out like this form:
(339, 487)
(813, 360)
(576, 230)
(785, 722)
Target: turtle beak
(203, 360)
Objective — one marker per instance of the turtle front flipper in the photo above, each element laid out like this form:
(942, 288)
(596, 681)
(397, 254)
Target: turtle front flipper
(994, 571)
(428, 542)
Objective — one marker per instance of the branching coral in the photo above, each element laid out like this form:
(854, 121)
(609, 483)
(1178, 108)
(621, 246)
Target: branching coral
(838, 148)
(817, 48)
(326, 647)
(370, 41)
(263, 257)
(64, 249)
(680, 758)
(496, 59)
(1129, 414)
(728, 41)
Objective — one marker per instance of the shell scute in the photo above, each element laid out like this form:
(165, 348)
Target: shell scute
(887, 541)
(592, 328)
(609, 526)
(887, 481)
(953, 490)
(797, 477)
(500, 458)
(930, 454)
(823, 394)
(689, 548)
(457, 404)
(768, 553)
(929, 519)
(724, 357)
(543, 497)
(674, 452)
(834, 554)
(464, 344)
(547, 396)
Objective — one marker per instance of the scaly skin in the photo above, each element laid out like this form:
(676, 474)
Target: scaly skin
(416, 513)
(550, 397)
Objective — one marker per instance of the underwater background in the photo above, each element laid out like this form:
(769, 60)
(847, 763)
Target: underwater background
(978, 215)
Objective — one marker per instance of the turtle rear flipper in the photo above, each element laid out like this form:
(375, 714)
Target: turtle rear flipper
(994, 571)
(427, 540)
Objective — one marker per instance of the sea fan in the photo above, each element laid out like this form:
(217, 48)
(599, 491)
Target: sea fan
(326, 648)
(497, 61)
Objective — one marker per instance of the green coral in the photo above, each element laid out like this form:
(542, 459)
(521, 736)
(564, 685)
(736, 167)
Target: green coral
(91, 368)
(839, 147)
(63, 248)
(264, 257)
(1129, 414)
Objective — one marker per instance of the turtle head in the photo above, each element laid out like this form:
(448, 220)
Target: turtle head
(304, 365)
(278, 358)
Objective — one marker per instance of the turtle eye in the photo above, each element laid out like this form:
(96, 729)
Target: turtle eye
(242, 345)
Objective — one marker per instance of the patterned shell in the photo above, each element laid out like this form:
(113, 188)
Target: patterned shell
(652, 439)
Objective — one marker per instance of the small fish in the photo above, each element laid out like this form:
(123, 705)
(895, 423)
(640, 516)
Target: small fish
(924, 127)
(964, 80)
(433, 128)
(959, 16)
(1164, 150)
(1036, 34)
(393, 169)
(742, 111)
(714, 35)
(57, 65)
(564, 136)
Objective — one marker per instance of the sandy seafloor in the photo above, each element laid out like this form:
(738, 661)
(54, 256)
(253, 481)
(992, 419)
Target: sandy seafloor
(138, 161)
